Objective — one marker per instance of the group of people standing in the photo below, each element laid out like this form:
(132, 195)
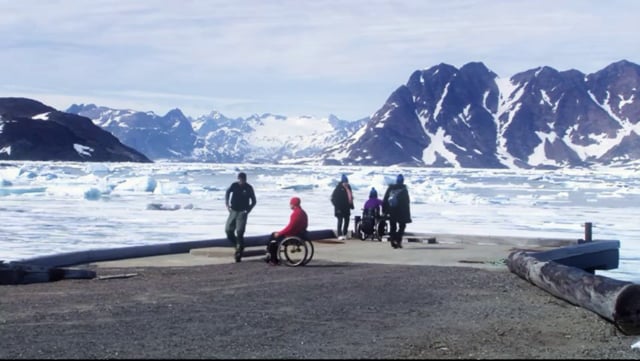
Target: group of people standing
(240, 199)
(395, 205)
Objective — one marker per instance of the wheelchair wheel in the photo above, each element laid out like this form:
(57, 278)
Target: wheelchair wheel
(293, 251)
(359, 232)
(381, 229)
(310, 251)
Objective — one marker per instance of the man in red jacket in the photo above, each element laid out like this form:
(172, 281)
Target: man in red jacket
(298, 223)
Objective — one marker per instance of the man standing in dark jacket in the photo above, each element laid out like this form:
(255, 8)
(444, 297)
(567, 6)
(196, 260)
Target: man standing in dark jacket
(243, 199)
(396, 204)
(342, 200)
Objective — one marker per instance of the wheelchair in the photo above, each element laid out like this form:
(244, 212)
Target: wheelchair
(294, 251)
(371, 225)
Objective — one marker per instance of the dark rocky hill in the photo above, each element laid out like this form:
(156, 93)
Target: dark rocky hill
(31, 130)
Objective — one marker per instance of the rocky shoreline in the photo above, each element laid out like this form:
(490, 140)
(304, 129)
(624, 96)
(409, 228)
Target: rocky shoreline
(327, 310)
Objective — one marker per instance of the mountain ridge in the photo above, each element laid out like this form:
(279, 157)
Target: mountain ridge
(470, 118)
(443, 116)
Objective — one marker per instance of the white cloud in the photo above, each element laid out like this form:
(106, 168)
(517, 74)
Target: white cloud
(301, 57)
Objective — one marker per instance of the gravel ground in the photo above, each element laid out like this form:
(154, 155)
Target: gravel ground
(323, 310)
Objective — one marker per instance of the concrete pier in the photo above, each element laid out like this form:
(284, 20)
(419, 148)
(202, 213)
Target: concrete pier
(487, 252)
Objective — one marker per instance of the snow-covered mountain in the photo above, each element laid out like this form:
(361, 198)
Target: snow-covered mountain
(168, 137)
(270, 138)
(442, 117)
(264, 138)
(469, 117)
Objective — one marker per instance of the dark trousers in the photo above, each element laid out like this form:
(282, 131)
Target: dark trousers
(343, 224)
(272, 247)
(396, 230)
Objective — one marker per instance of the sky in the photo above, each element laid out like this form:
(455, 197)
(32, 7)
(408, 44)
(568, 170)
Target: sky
(289, 57)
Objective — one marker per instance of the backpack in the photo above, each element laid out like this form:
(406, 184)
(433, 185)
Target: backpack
(394, 196)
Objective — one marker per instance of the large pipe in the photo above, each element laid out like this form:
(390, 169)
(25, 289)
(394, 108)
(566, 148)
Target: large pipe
(111, 254)
(615, 300)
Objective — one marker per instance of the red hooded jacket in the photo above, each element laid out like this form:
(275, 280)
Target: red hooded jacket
(298, 221)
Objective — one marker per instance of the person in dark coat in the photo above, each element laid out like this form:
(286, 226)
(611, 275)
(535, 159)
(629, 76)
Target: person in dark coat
(396, 204)
(239, 200)
(342, 200)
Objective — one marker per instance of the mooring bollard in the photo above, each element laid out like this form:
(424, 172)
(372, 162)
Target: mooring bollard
(587, 231)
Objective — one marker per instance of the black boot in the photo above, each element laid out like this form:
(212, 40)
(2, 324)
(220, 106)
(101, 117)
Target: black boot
(272, 250)
(274, 258)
